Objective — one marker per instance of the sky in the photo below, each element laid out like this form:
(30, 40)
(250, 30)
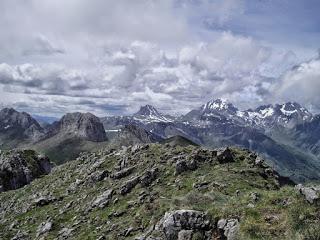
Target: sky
(110, 57)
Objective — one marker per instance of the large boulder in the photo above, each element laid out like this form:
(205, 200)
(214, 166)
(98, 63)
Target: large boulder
(103, 200)
(225, 155)
(182, 224)
(311, 194)
(229, 229)
(20, 167)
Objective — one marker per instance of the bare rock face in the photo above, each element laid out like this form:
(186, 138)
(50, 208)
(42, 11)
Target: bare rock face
(103, 200)
(182, 224)
(191, 224)
(311, 194)
(82, 125)
(19, 125)
(229, 228)
(20, 167)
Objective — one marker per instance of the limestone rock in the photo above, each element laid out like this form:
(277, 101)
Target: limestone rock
(129, 185)
(184, 165)
(20, 167)
(123, 173)
(44, 228)
(176, 221)
(229, 229)
(103, 200)
(148, 177)
(311, 194)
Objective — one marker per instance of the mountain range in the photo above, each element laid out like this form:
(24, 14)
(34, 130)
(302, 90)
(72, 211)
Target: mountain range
(285, 134)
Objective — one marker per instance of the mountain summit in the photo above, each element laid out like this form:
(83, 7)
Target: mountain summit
(287, 114)
(17, 126)
(83, 125)
(149, 113)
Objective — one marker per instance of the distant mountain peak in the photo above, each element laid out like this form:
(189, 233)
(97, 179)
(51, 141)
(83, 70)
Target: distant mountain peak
(286, 114)
(219, 105)
(19, 122)
(148, 113)
(148, 110)
(83, 125)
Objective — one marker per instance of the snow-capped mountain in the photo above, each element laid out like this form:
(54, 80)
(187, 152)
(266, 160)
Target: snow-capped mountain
(218, 107)
(214, 111)
(286, 115)
(270, 130)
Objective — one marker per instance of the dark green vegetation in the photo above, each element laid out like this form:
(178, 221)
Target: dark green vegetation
(178, 141)
(121, 194)
(61, 150)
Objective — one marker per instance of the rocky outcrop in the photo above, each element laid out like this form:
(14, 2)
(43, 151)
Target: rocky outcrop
(182, 224)
(82, 125)
(123, 173)
(185, 165)
(148, 177)
(103, 200)
(228, 229)
(129, 185)
(44, 228)
(18, 168)
(311, 194)
(191, 224)
(225, 156)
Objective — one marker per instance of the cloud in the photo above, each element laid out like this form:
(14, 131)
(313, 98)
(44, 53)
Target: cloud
(143, 73)
(302, 84)
(42, 46)
(109, 56)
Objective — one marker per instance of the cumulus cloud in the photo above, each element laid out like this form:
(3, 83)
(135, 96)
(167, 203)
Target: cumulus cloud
(302, 84)
(110, 57)
(144, 73)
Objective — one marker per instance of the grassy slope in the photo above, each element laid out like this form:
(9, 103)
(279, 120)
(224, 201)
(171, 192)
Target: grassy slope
(61, 149)
(268, 219)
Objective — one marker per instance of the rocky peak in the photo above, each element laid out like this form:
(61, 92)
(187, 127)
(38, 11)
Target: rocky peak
(220, 107)
(22, 123)
(150, 114)
(11, 117)
(83, 125)
(148, 110)
(293, 110)
(287, 115)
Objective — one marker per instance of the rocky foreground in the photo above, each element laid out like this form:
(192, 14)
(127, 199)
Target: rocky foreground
(163, 191)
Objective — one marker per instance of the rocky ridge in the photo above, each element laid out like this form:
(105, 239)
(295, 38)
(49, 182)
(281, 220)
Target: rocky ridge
(159, 191)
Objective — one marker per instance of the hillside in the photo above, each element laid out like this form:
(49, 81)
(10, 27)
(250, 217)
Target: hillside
(156, 191)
